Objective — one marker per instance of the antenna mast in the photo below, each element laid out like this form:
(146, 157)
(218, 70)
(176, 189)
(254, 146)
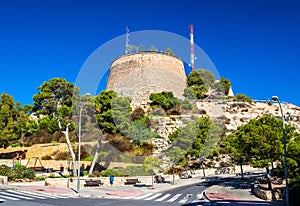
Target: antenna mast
(127, 40)
(192, 47)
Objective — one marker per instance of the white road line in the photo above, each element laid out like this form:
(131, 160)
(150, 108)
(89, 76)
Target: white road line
(40, 195)
(2, 200)
(143, 196)
(29, 195)
(49, 196)
(201, 195)
(154, 196)
(163, 197)
(186, 198)
(8, 198)
(174, 198)
(17, 196)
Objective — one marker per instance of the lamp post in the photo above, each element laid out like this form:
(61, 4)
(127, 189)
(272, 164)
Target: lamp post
(275, 98)
(79, 142)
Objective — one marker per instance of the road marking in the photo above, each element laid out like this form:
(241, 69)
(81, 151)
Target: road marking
(163, 197)
(186, 198)
(174, 198)
(8, 198)
(2, 200)
(29, 195)
(42, 195)
(154, 196)
(17, 196)
(201, 195)
(143, 196)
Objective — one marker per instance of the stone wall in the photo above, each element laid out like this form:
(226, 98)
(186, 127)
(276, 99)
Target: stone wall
(56, 164)
(138, 75)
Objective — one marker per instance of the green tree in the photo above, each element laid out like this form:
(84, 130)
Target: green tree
(12, 120)
(223, 86)
(114, 115)
(103, 111)
(151, 164)
(55, 94)
(182, 143)
(194, 78)
(237, 145)
(208, 77)
(166, 99)
(259, 141)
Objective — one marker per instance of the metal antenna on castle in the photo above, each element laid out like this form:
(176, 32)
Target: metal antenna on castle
(127, 40)
(192, 47)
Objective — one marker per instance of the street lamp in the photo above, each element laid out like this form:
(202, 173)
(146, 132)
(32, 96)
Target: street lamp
(275, 98)
(79, 142)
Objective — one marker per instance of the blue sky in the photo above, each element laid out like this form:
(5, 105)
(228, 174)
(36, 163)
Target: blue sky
(254, 43)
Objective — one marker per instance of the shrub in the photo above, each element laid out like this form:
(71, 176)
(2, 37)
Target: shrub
(15, 144)
(138, 113)
(41, 178)
(186, 104)
(165, 99)
(20, 172)
(242, 98)
(108, 172)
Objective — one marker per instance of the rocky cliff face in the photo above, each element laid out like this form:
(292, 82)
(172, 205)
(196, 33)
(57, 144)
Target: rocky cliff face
(231, 114)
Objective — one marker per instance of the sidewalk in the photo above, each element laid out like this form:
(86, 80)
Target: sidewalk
(124, 191)
(236, 191)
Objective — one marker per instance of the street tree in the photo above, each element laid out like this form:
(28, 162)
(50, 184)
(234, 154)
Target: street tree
(55, 99)
(152, 164)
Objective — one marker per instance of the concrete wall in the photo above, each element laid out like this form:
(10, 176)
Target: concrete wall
(139, 75)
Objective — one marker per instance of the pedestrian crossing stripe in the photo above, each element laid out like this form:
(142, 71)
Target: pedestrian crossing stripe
(16, 196)
(186, 198)
(158, 197)
(163, 197)
(44, 195)
(25, 195)
(174, 198)
(29, 195)
(8, 198)
(154, 196)
(143, 196)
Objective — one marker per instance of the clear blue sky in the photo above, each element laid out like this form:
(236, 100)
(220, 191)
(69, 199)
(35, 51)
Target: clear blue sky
(254, 43)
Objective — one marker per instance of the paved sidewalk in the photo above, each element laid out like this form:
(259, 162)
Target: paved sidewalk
(124, 191)
(236, 191)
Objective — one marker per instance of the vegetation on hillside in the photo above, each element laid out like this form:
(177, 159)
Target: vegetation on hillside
(201, 81)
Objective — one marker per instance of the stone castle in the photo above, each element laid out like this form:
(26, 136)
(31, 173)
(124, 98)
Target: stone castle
(140, 74)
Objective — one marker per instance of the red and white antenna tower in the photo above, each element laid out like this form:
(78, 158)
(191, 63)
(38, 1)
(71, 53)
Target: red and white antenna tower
(192, 47)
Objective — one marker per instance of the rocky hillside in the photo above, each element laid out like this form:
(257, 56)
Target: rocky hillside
(230, 113)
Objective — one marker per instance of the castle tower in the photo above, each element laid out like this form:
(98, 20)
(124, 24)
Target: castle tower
(138, 75)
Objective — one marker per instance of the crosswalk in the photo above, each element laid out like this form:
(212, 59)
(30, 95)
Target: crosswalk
(170, 198)
(15, 195)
